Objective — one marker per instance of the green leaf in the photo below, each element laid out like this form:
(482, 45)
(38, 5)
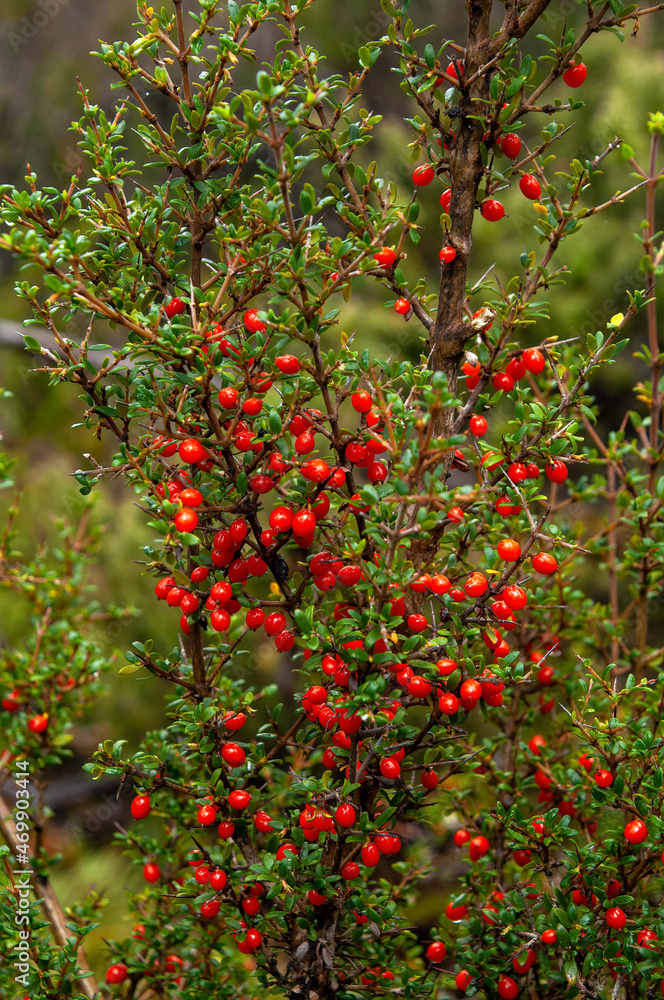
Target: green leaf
(570, 971)
(515, 86)
(306, 200)
(130, 668)
(274, 421)
(364, 55)
(188, 538)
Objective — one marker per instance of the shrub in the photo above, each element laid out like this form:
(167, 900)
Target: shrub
(419, 540)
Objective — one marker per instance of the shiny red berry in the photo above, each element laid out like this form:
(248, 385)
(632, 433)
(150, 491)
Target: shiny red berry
(530, 187)
(492, 210)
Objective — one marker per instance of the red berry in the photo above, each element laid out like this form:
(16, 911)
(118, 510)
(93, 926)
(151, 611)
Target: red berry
(517, 472)
(445, 200)
(206, 815)
(253, 322)
(227, 398)
(509, 549)
(530, 187)
(449, 704)
(239, 799)
(385, 257)
(603, 778)
(151, 872)
(549, 937)
(233, 754)
(515, 597)
(284, 641)
(377, 472)
(255, 618)
(492, 210)
(511, 145)
(202, 875)
(575, 75)
(174, 307)
(252, 406)
(502, 381)
(478, 847)
(423, 175)
(645, 937)
(451, 71)
(417, 623)
(191, 497)
(447, 254)
(478, 425)
(186, 519)
(304, 443)
(534, 360)
(275, 623)
(140, 806)
(536, 743)
(556, 470)
(492, 460)
(361, 401)
(191, 451)
(507, 988)
(439, 584)
(370, 855)
(636, 831)
(345, 814)
(516, 368)
(390, 768)
(544, 563)
(220, 619)
(476, 585)
(429, 779)
(218, 880)
(436, 951)
(174, 596)
(11, 703)
(287, 364)
(402, 306)
(316, 470)
(287, 851)
(210, 908)
(471, 692)
(506, 508)
(116, 974)
(38, 723)
(253, 938)
(463, 979)
(350, 871)
(616, 918)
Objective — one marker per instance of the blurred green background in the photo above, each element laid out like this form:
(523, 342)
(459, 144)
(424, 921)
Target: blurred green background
(45, 45)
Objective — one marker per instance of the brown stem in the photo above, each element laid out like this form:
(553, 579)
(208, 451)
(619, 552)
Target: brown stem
(183, 58)
(198, 659)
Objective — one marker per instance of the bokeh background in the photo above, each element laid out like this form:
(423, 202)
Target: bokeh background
(44, 47)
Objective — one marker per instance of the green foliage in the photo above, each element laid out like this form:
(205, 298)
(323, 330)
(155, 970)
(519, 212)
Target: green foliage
(327, 502)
